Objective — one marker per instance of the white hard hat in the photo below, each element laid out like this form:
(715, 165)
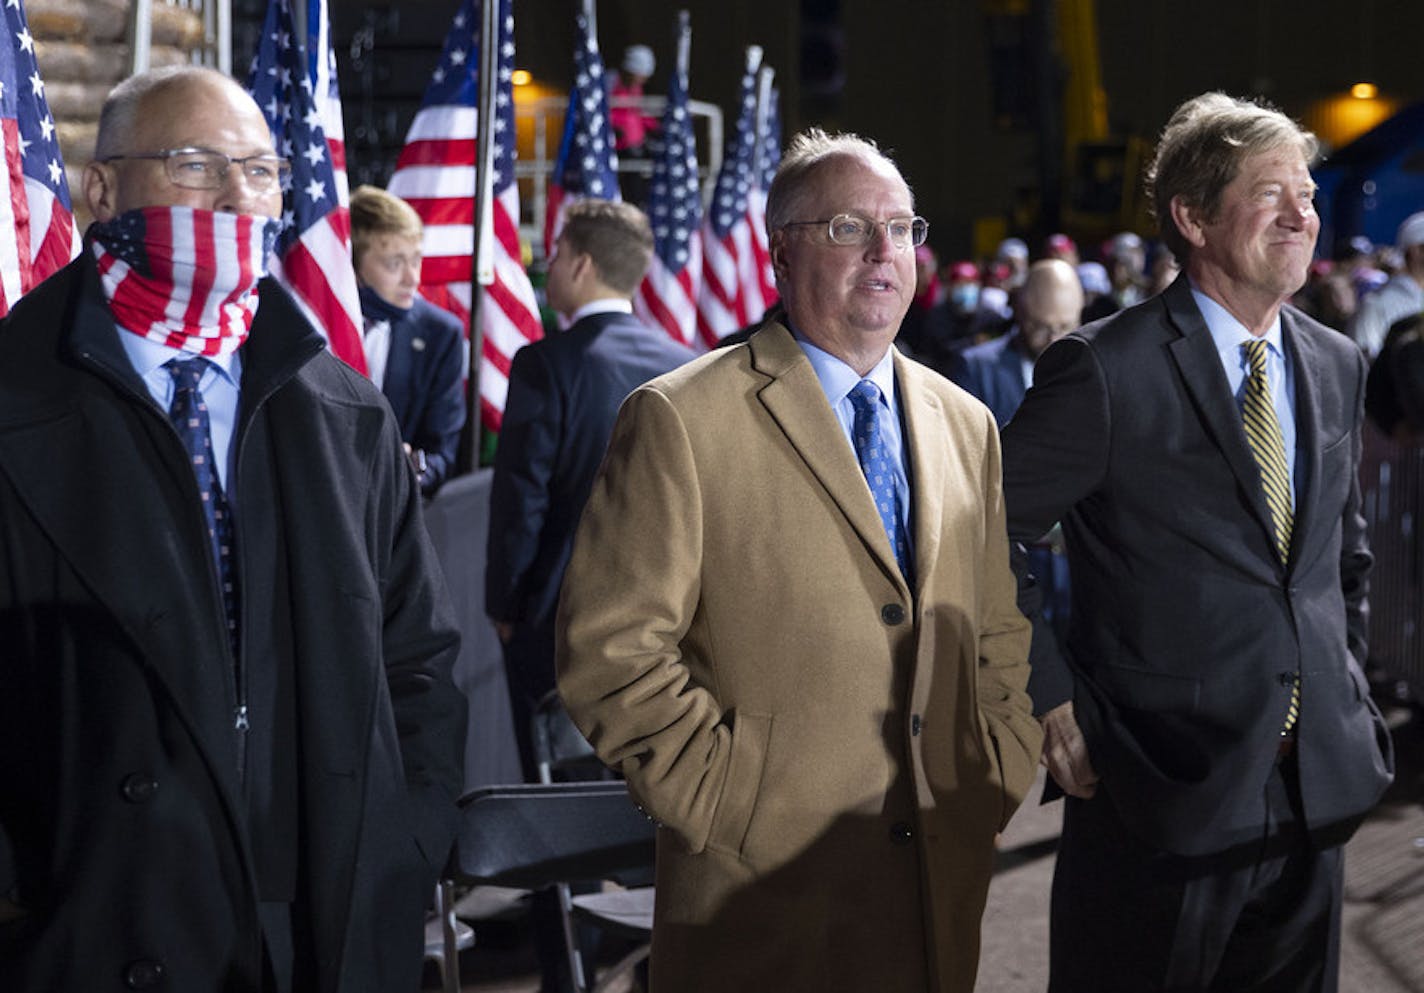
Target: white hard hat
(638, 60)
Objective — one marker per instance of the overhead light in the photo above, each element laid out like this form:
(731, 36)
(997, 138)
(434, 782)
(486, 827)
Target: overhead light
(521, 77)
(1364, 91)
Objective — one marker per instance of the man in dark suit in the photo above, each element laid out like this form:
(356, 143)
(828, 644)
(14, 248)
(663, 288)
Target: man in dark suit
(1209, 718)
(413, 349)
(564, 393)
(1046, 308)
(229, 741)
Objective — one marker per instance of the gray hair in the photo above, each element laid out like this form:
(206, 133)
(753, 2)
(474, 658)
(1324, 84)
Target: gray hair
(119, 116)
(1201, 151)
(807, 152)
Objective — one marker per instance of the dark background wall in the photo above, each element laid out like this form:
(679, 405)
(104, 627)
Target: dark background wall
(948, 85)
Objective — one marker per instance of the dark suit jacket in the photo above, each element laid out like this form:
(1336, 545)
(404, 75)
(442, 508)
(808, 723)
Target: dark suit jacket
(993, 372)
(564, 394)
(423, 383)
(1186, 629)
(123, 816)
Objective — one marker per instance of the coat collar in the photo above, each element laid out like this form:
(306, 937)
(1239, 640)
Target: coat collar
(796, 402)
(108, 482)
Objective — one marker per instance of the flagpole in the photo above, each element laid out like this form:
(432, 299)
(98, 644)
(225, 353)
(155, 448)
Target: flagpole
(684, 41)
(590, 12)
(763, 107)
(481, 266)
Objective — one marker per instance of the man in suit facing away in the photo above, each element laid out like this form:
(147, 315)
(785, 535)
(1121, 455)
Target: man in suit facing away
(1209, 718)
(564, 393)
(789, 621)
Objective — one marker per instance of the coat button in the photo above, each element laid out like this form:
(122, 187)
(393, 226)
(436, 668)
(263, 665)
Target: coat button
(138, 787)
(900, 833)
(892, 614)
(143, 974)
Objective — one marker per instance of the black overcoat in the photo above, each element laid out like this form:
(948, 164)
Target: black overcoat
(123, 819)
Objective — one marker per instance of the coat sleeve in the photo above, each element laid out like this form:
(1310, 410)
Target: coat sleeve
(630, 595)
(1055, 454)
(1003, 647)
(530, 437)
(444, 415)
(1355, 557)
(420, 640)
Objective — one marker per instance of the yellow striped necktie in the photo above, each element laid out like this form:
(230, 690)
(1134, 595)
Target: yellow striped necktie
(1263, 433)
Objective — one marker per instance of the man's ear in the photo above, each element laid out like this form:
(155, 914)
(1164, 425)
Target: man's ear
(1189, 221)
(583, 269)
(101, 193)
(777, 250)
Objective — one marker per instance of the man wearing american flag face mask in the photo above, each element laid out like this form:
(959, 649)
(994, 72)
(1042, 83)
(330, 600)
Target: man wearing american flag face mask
(229, 740)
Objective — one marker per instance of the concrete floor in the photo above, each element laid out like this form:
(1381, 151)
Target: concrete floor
(1383, 947)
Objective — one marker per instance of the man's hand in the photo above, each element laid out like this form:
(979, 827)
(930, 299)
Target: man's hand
(1065, 753)
(505, 630)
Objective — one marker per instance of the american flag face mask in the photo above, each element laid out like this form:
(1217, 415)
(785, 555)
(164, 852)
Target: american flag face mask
(184, 277)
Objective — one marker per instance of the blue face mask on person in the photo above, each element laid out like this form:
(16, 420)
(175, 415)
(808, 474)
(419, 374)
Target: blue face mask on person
(964, 297)
(376, 308)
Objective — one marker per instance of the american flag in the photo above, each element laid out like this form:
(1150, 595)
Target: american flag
(313, 257)
(732, 293)
(668, 294)
(587, 165)
(435, 174)
(37, 230)
(321, 67)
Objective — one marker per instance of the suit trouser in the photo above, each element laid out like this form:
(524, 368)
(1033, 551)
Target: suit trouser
(1128, 919)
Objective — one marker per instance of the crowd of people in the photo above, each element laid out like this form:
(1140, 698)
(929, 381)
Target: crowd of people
(807, 596)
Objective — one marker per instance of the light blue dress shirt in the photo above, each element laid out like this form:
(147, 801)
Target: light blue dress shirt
(219, 387)
(837, 380)
(1230, 335)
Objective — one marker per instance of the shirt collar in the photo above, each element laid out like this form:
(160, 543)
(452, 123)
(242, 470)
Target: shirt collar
(148, 357)
(608, 305)
(838, 379)
(1227, 332)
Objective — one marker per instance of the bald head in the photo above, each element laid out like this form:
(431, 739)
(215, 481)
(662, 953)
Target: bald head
(1048, 305)
(162, 110)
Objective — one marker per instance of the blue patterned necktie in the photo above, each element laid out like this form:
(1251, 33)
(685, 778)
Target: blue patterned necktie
(189, 415)
(879, 471)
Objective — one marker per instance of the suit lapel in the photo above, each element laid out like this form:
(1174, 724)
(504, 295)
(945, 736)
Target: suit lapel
(797, 403)
(1306, 367)
(1200, 365)
(400, 370)
(927, 456)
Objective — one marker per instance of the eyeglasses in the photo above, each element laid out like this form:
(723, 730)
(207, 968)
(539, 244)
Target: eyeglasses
(202, 169)
(852, 229)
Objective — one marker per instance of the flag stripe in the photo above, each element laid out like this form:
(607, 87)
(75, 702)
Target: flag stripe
(436, 174)
(295, 85)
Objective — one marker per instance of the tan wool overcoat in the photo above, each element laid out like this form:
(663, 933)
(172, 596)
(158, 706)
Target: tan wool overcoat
(828, 751)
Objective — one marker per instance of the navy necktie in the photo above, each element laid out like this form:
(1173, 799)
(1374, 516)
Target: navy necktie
(879, 471)
(189, 415)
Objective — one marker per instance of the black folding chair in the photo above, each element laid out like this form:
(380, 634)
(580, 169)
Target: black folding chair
(543, 834)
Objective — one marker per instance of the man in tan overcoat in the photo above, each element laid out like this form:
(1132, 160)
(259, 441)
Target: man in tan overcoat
(789, 621)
